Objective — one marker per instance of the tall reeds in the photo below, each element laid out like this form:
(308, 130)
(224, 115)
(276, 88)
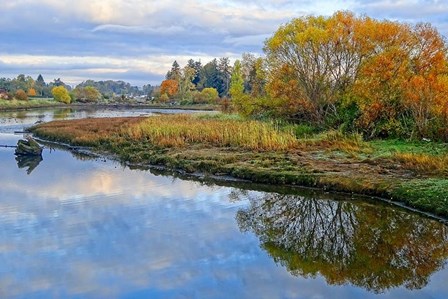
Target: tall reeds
(182, 130)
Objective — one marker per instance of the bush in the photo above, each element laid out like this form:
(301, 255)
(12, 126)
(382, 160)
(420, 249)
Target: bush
(164, 98)
(304, 130)
(209, 95)
(21, 95)
(61, 94)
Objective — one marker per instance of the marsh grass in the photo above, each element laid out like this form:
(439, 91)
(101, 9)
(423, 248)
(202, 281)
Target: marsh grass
(266, 152)
(86, 132)
(29, 103)
(420, 157)
(183, 130)
(334, 140)
(423, 163)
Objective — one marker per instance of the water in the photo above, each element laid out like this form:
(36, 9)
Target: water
(80, 227)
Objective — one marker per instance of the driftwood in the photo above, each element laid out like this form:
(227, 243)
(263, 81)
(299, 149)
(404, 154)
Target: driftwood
(28, 147)
(7, 146)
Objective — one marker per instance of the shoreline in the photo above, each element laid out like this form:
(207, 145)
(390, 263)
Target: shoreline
(226, 180)
(380, 178)
(111, 105)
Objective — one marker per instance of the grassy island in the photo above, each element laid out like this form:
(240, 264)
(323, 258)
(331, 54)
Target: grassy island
(413, 173)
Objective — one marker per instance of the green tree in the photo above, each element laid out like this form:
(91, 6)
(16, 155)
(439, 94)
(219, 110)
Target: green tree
(210, 75)
(148, 90)
(86, 94)
(224, 71)
(60, 94)
(236, 82)
(197, 66)
(186, 85)
(209, 95)
(40, 85)
(174, 73)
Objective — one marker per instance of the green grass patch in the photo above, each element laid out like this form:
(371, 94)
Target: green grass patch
(33, 102)
(425, 194)
(390, 147)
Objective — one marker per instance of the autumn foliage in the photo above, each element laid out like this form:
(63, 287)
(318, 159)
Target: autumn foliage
(86, 94)
(380, 78)
(61, 94)
(31, 92)
(21, 95)
(169, 87)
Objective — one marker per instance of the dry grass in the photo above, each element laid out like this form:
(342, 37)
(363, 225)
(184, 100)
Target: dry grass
(182, 130)
(87, 131)
(423, 163)
(337, 141)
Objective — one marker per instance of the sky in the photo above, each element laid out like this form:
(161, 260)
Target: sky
(137, 40)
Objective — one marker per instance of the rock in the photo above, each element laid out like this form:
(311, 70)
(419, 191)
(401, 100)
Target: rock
(28, 147)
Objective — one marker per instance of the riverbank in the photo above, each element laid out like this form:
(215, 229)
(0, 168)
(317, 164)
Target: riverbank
(415, 174)
(12, 105)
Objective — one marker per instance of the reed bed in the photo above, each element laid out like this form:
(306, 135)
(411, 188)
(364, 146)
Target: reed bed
(88, 131)
(182, 130)
(336, 140)
(423, 163)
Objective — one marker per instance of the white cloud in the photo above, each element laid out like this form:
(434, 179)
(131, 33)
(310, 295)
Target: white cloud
(139, 29)
(129, 36)
(247, 40)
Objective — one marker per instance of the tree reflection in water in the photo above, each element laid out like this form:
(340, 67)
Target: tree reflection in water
(372, 246)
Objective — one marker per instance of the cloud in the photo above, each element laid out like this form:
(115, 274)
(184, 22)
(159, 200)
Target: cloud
(139, 29)
(150, 32)
(433, 11)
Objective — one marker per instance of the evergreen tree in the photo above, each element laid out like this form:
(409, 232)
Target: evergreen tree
(40, 85)
(174, 73)
(225, 71)
(197, 66)
(210, 76)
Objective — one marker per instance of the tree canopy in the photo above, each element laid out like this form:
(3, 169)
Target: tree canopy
(378, 77)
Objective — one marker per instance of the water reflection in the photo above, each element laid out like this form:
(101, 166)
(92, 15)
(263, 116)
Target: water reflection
(96, 229)
(62, 113)
(358, 243)
(28, 162)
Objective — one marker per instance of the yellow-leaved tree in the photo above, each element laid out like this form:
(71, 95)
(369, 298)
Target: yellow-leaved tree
(393, 75)
(61, 94)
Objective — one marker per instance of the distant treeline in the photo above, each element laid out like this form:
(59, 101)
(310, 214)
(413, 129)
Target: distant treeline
(40, 88)
(30, 86)
(110, 88)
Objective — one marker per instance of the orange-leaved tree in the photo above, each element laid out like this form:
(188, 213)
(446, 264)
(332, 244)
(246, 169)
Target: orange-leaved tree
(169, 87)
(32, 92)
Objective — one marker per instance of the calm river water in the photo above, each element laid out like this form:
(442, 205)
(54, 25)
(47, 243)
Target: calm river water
(79, 227)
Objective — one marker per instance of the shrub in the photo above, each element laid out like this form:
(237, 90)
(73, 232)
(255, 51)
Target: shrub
(61, 94)
(21, 95)
(164, 98)
(209, 95)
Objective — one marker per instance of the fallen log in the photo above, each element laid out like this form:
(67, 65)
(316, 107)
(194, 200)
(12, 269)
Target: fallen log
(12, 146)
(28, 147)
